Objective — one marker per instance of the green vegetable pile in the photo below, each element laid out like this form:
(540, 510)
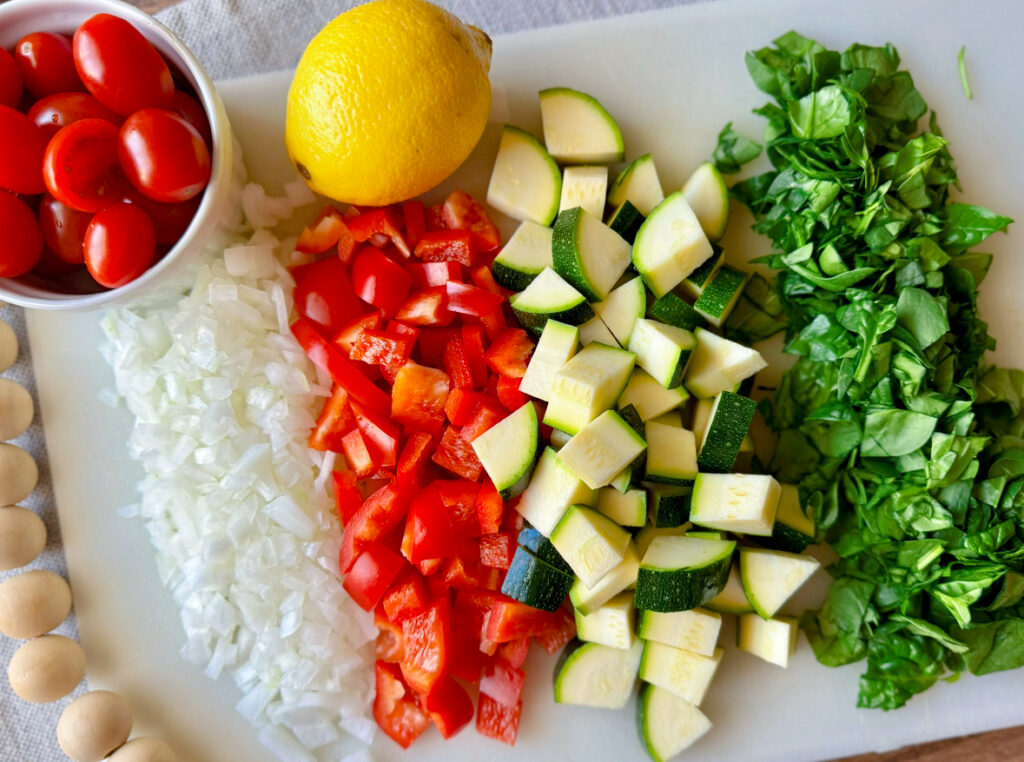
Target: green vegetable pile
(909, 451)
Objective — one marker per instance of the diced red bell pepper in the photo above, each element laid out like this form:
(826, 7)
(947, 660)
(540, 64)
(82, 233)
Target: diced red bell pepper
(428, 528)
(510, 620)
(426, 637)
(555, 639)
(357, 454)
(471, 300)
(335, 421)
(489, 508)
(379, 281)
(419, 396)
(415, 222)
(347, 499)
(394, 708)
(456, 454)
(474, 346)
(324, 294)
(436, 583)
(481, 275)
(456, 364)
(380, 513)
(379, 432)
(513, 520)
(430, 567)
(509, 353)
(413, 458)
(386, 351)
(464, 571)
(495, 720)
(388, 646)
(427, 307)
(503, 682)
(460, 498)
(484, 417)
(514, 652)
(496, 549)
(379, 221)
(468, 612)
(432, 342)
(372, 574)
(449, 705)
(347, 245)
(509, 394)
(323, 233)
(406, 596)
(347, 336)
(494, 323)
(429, 274)
(462, 405)
(463, 212)
(398, 328)
(435, 218)
(447, 246)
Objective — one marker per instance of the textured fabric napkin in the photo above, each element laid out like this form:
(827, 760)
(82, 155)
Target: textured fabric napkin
(232, 38)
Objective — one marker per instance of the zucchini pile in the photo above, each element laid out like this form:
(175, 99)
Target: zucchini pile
(647, 509)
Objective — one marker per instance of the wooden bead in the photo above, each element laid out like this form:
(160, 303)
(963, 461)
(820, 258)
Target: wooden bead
(33, 603)
(46, 669)
(93, 725)
(22, 537)
(145, 750)
(8, 346)
(16, 409)
(18, 474)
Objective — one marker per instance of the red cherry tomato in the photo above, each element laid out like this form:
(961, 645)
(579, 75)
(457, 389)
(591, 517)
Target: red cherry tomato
(80, 166)
(47, 65)
(22, 145)
(170, 221)
(52, 266)
(119, 245)
(163, 156)
(120, 66)
(21, 243)
(63, 229)
(61, 109)
(10, 80)
(188, 108)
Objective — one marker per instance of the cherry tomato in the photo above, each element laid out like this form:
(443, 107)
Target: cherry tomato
(47, 65)
(10, 80)
(80, 166)
(119, 245)
(21, 243)
(188, 108)
(63, 229)
(52, 266)
(170, 221)
(120, 66)
(163, 155)
(61, 109)
(22, 145)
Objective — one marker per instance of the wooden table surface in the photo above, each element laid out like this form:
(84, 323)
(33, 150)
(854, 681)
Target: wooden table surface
(997, 746)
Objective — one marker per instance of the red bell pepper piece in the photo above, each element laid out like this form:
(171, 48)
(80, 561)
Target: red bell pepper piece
(419, 396)
(509, 394)
(510, 352)
(372, 574)
(513, 520)
(380, 513)
(388, 646)
(481, 275)
(394, 708)
(324, 294)
(380, 221)
(484, 417)
(489, 508)
(460, 497)
(398, 328)
(428, 528)
(406, 596)
(379, 432)
(385, 350)
(334, 422)
(357, 454)
(347, 499)
(514, 652)
(428, 307)
(415, 222)
(494, 323)
(431, 344)
(347, 336)
(555, 639)
(495, 720)
(496, 549)
(428, 274)
(468, 612)
(379, 281)
(455, 454)
(426, 638)
(503, 682)
(474, 346)
(462, 405)
(456, 364)
(430, 567)
(464, 571)
(462, 212)
(449, 705)
(435, 218)
(413, 459)
(323, 233)
(511, 620)
(447, 246)
(471, 300)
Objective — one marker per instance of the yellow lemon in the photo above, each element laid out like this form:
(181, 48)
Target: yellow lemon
(388, 100)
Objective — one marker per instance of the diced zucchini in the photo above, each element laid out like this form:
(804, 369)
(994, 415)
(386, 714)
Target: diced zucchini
(584, 187)
(595, 331)
(683, 673)
(701, 417)
(680, 573)
(650, 398)
(578, 129)
(662, 350)
(695, 630)
(508, 450)
(590, 543)
(587, 385)
(794, 529)
(627, 509)
(669, 505)
(535, 582)
(732, 599)
(742, 503)
(728, 423)
(667, 723)
(671, 455)
(631, 476)
(770, 577)
(622, 308)
(674, 310)
(773, 640)
(587, 253)
(553, 488)
(602, 448)
(558, 342)
(720, 295)
(708, 195)
(669, 245)
(626, 221)
(524, 257)
(589, 599)
(559, 439)
(638, 183)
(706, 535)
(672, 418)
(549, 297)
(693, 285)
(718, 364)
(525, 182)
(645, 536)
(611, 625)
(591, 674)
(535, 542)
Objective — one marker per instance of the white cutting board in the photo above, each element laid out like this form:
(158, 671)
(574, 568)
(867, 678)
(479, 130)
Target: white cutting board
(672, 78)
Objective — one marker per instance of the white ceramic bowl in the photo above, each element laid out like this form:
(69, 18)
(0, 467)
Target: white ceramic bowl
(21, 17)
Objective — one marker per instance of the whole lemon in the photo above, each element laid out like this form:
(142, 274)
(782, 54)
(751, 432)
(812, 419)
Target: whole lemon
(388, 100)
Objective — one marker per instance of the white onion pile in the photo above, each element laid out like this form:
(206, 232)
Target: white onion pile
(236, 504)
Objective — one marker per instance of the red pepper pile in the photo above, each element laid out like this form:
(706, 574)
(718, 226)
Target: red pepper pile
(425, 357)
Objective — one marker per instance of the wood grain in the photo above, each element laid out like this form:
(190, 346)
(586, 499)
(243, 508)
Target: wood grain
(997, 746)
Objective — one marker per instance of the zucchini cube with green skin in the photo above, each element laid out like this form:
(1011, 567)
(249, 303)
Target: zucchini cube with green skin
(645, 536)
(671, 455)
(588, 599)
(532, 540)
(552, 489)
(701, 417)
(524, 257)
(557, 344)
(718, 364)
(695, 630)
(587, 253)
(525, 182)
(741, 503)
(508, 450)
(622, 308)
(732, 599)
(794, 530)
(549, 297)
(533, 581)
(672, 309)
(578, 129)
(669, 245)
(693, 285)
(662, 350)
(613, 624)
(672, 418)
(668, 724)
(669, 505)
(683, 673)
(773, 640)
(584, 187)
(627, 509)
(590, 543)
(587, 385)
(708, 196)
(626, 221)
(682, 573)
(770, 577)
(728, 424)
(602, 448)
(650, 398)
(594, 331)
(720, 295)
(637, 184)
(592, 674)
